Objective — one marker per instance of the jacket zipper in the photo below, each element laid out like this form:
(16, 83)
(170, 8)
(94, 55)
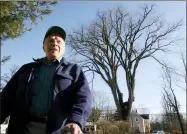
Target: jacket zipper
(30, 78)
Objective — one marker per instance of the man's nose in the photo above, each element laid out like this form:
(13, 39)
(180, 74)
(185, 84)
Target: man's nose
(54, 43)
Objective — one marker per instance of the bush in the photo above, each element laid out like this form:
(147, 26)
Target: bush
(104, 126)
(114, 130)
(123, 126)
(178, 132)
(107, 127)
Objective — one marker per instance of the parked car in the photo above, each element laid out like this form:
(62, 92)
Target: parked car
(157, 132)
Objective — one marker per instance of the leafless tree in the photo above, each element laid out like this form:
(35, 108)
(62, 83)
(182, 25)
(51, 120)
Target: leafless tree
(99, 100)
(185, 67)
(183, 73)
(7, 76)
(170, 103)
(119, 39)
(5, 59)
(99, 103)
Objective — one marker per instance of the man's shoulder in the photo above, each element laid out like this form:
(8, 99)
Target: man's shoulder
(72, 68)
(73, 65)
(30, 64)
(25, 68)
(33, 63)
(70, 64)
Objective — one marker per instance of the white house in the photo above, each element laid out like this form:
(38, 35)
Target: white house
(140, 122)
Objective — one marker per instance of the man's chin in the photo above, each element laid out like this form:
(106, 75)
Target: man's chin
(52, 57)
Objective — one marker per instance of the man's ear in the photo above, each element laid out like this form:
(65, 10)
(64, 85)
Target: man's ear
(43, 48)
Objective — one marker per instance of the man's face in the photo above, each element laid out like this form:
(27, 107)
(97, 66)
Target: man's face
(54, 47)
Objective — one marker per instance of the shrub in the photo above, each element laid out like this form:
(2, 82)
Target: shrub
(104, 126)
(123, 126)
(114, 130)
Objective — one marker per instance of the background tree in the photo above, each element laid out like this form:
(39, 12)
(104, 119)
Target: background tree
(5, 59)
(95, 115)
(170, 102)
(109, 115)
(156, 125)
(182, 74)
(98, 100)
(17, 17)
(119, 39)
(7, 76)
(167, 115)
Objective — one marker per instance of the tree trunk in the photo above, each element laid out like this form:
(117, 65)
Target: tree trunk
(126, 108)
(118, 98)
(180, 122)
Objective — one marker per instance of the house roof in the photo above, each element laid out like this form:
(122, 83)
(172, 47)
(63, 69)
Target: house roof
(145, 116)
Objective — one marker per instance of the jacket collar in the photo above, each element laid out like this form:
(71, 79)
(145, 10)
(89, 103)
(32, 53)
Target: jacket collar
(40, 60)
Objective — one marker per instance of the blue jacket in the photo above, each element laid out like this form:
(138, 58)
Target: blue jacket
(71, 98)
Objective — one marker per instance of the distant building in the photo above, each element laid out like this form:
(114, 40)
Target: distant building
(140, 123)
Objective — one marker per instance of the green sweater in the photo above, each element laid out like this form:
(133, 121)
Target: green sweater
(41, 89)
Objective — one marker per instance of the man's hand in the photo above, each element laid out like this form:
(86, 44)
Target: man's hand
(75, 128)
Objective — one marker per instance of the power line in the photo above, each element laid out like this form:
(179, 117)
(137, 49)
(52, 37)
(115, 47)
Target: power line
(114, 109)
(156, 107)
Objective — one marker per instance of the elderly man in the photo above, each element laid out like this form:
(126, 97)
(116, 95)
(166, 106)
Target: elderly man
(48, 94)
